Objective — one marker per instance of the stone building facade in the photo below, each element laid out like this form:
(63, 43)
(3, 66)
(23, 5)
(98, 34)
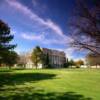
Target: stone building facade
(57, 58)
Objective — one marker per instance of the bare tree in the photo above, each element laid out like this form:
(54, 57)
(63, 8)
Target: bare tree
(86, 26)
(23, 59)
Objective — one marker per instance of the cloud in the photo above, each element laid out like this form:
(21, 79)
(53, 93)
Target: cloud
(58, 36)
(69, 52)
(34, 17)
(32, 37)
(41, 38)
(74, 53)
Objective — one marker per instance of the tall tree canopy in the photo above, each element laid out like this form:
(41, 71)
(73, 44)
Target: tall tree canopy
(79, 63)
(86, 25)
(11, 58)
(5, 38)
(93, 59)
(39, 57)
(36, 56)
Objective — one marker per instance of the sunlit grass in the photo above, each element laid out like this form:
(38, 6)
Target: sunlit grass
(46, 84)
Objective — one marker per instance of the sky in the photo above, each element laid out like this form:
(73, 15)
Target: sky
(40, 22)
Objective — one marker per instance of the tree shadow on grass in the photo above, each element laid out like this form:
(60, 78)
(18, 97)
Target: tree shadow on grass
(21, 78)
(4, 71)
(30, 92)
(41, 95)
(55, 96)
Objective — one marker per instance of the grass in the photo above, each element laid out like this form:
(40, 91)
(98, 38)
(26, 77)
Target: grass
(45, 84)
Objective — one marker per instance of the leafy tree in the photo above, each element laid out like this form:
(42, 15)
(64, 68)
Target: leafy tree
(93, 59)
(47, 61)
(86, 26)
(37, 56)
(71, 63)
(79, 63)
(5, 37)
(66, 64)
(11, 58)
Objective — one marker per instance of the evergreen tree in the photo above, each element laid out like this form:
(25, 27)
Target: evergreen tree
(47, 61)
(5, 38)
(71, 63)
(11, 58)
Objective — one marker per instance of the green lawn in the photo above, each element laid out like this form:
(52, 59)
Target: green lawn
(55, 84)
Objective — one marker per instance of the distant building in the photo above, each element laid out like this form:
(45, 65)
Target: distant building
(57, 58)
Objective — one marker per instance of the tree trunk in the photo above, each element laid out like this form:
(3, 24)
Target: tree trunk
(36, 65)
(9, 67)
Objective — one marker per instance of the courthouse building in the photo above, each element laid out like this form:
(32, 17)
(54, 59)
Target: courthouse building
(57, 58)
